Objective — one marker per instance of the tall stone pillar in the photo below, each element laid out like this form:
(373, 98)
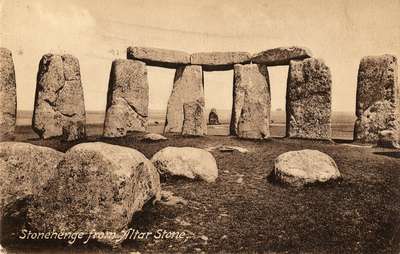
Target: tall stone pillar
(127, 99)
(59, 103)
(377, 103)
(188, 88)
(8, 96)
(251, 102)
(308, 100)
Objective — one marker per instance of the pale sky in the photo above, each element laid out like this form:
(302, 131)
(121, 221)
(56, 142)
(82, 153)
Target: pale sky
(97, 32)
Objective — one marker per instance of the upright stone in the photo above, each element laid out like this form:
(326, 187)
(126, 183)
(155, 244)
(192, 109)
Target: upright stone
(377, 103)
(213, 118)
(308, 100)
(59, 103)
(8, 97)
(187, 88)
(128, 98)
(251, 102)
(194, 123)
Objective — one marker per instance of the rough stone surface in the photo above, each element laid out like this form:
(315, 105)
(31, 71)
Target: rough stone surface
(298, 168)
(194, 122)
(281, 56)
(186, 161)
(308, 100)
(59, 104)
(154, 137)
(216, 61)
(128, 98)
(24, 170)
(159, 57)
(389, 139)
(213, 118)
(251, 102)
(377, 103)
(97, 187)
(188, 87)
(8, 95)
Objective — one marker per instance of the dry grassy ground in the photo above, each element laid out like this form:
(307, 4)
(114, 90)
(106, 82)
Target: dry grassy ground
(358, 214)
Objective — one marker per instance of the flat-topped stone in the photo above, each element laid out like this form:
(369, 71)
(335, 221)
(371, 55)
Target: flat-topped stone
(308, 100)
(128, 98)
(281, 55)
(188, 87)
(159, 57)
(215, 61)
(251, 102)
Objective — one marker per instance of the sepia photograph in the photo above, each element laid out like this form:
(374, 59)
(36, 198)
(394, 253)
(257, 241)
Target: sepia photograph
(188, 126)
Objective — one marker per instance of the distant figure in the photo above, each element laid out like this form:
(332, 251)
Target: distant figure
(213, 117)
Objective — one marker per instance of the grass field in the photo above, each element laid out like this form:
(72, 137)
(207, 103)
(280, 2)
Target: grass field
(358, 214)
(342, 124)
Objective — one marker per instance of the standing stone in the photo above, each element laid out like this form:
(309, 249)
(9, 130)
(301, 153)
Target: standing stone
(377, 103)
(128, 98)
(8, 95)
(308, 100)
(194, 123)
(213, 118)
(188, 87)
(251, 102)
(59, 103)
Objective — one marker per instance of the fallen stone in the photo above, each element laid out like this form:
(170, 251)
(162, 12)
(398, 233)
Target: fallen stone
(194, 122)
(378, 98)
(59, 104)
(213, 118)
(24, 171)
(281, 56)
(154, 137)
(186, 161)
(251, 102)
(97, 187)
(233, 148)
(159, 57)
(226, 148)
(128, 98)
(8, 96)
(308, 100)
(297, 168)
(188, 87)
(389, 139)
(168, 198)
(217, 61)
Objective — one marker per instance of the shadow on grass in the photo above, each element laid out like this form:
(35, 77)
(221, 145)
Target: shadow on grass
(393, 154)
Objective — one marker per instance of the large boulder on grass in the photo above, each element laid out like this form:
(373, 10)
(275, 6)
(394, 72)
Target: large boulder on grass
(98, 187)
(298, 168)
(186, 161)
(24, 170)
